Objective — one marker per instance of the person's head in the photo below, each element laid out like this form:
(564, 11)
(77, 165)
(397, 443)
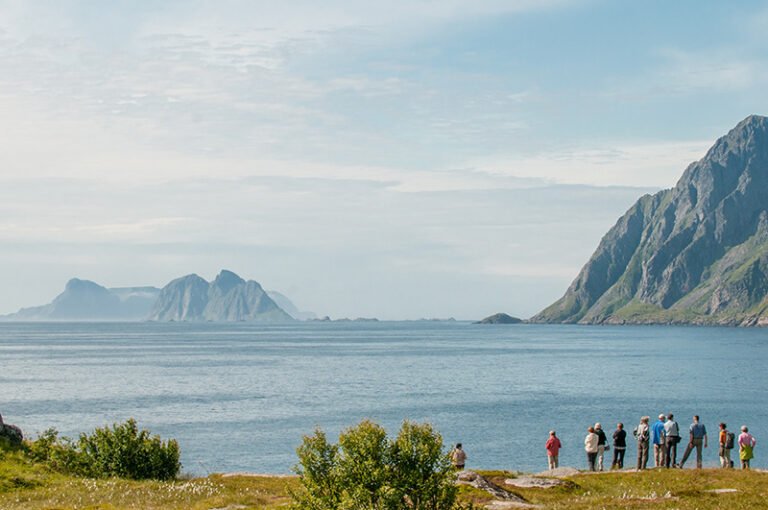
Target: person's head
(620, 426)
(696, 418)
(552, 433)
(598, 426)
(458, 446)
(645, 419)
(744, 428)
(591, 430)
(670, 416)
(662, 417)
(722, 426)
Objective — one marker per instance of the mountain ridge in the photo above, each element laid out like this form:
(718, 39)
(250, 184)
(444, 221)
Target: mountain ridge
(693, 254)
(188, 298)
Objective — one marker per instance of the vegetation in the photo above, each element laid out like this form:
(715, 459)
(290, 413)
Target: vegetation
(367, 470)
(121, 451)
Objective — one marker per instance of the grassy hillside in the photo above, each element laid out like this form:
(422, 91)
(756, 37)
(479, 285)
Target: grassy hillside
(29, 486)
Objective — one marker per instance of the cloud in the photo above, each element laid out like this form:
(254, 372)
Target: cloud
(657, 164)
(724, 69)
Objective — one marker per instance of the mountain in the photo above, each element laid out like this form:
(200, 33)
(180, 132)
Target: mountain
(287, 305)
(693, 254)
(86, 300)
(227, 298)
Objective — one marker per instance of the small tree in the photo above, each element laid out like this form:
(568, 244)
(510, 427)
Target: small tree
(421, 472)
(122, 450)
(368, 471)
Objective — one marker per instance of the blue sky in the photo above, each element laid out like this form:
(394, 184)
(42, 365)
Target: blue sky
(399, 159)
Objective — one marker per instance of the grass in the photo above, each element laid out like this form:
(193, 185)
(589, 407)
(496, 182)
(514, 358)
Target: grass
(657, 488)
(29, 486)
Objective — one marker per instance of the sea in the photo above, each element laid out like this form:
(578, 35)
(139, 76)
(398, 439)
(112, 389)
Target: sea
(240, 396)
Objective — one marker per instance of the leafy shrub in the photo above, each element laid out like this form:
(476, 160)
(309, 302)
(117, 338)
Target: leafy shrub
(367, 470)
(122, 450)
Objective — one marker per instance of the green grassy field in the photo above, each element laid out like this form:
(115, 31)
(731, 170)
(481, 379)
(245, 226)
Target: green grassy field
(29, 486)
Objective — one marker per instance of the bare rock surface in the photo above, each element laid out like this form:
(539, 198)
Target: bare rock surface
(479, 482)
(561, 472)
(535, 482)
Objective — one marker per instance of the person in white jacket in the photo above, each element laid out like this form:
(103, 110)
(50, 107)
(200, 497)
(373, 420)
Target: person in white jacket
(590, 446)
(642, 434)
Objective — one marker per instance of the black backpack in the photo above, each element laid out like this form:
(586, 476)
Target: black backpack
(730, 438)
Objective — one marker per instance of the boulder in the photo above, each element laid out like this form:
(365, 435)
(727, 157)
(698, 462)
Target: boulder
(11, 433)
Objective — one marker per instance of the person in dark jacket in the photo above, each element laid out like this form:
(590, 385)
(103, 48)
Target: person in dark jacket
(619, 446)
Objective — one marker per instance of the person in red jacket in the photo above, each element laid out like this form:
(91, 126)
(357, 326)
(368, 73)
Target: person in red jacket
(553, 449)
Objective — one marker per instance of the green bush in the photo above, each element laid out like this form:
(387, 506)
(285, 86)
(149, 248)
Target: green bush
(367, 470)
(123, 451)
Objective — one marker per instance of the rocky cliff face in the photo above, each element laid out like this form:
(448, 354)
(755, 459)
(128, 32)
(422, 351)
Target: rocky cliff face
(227, 298)
(697, 253)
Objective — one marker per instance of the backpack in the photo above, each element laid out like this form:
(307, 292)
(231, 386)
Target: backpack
(730, 438)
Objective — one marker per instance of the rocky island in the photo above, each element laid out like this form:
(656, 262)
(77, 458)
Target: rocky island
(500, 318)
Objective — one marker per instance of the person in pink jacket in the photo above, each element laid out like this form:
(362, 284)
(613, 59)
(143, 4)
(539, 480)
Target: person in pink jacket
(747, 443)
(553, 449)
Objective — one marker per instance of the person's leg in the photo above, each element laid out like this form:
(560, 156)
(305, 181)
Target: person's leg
(639, 455)
(600, 455)
(615, 462)
(663, 454)
(557, 460)
(699, 444)
(657, 455)
(621, 458)
(688, 450)
(645, 455)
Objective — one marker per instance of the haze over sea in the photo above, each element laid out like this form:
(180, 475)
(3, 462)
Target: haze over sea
(238, 397)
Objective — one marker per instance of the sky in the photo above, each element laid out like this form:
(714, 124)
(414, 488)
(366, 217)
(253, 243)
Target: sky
(399, 159)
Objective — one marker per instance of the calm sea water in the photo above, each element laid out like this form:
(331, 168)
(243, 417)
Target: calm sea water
(240, 396)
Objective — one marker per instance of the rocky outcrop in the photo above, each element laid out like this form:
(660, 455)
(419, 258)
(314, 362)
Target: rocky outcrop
(228, 298)
(694, 254)
(10, 434)
(480, 482)
(500, 318)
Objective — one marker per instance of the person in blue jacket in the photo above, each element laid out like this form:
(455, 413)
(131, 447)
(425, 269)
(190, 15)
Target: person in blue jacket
(659, 441)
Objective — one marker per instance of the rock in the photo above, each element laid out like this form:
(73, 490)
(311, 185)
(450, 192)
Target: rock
(500, 318)
(11, 433)
(479, 482)
(506, 505)
(528, 482)
(561, 472)
(693, 254)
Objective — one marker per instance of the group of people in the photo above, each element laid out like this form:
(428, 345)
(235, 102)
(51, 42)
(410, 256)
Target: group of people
(664, 435)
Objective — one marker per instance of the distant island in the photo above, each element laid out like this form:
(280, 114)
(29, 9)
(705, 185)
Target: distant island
(693, 254)
(499, 318)
(228, 298)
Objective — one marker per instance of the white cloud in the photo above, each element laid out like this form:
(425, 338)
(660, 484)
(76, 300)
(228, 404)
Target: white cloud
(657, 164)
(725, 69)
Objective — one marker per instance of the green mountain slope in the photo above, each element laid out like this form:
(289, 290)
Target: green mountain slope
(694, 254)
